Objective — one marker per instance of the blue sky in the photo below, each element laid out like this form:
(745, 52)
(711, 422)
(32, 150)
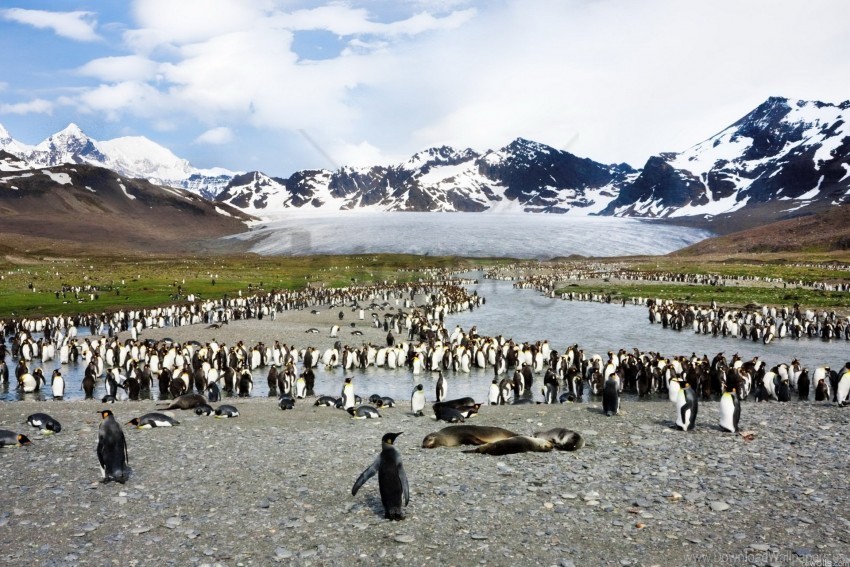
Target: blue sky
(280, 85)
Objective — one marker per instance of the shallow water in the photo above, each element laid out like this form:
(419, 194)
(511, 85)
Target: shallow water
(514, 235)
(523, 315)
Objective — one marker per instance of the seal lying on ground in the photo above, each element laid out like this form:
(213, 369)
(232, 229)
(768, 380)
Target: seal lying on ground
(518, 444)
(455, 435)
(187, 401)
(562, 439)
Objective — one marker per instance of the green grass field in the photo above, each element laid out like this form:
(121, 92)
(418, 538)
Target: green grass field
(145, 282)
(135, 282)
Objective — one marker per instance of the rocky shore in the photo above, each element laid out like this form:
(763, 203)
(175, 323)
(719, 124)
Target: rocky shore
(274, 486)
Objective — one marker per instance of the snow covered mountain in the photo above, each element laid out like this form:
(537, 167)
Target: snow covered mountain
(133, 156)
(785, 158)
(523, 176)
(786, 155)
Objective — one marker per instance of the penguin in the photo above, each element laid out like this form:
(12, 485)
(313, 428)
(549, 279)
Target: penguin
(286, 403)
(347, 394)
(301, 387)
(821, 391)
(226, 411)
(112, 449)
(213, 392)
(364, 412)
(493, 393)
(442, 387)
(327, 401)
(57, 385)
(448, 414)
(803, 385)
(783, 391)
(107, 399)
(385, 402)
(611, 396)
(12, 439)
(417, 400)
(550, 393)
(843, 388)
(203, 410)
(45, 423)
(686, 408)
(392, 480)
(730, 411)
(154, 419)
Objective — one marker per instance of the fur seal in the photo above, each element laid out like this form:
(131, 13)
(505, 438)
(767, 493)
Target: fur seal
(187, 401)
(562, 439)
(518, 444)
(456, 435)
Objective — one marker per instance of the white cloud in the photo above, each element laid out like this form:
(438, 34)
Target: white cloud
(215, 136)
(37, 106)
(118, 69)
(613, 80)
(79, 26)
(3, 86)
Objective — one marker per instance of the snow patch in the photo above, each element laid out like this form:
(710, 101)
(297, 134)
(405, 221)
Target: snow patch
(121, 185)
(61, 178)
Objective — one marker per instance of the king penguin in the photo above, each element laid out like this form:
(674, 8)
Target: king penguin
(442, 387)
(417, 400)
(57, 385)
(730, 411)
(347, 394)
(686, 408)
(843, 388)
(112, 449)
(392, 480)
(611, 396)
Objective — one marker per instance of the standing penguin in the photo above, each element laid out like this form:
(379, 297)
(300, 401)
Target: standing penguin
(417, 400)
(843, 388)
(686, 408)
(392, 480)
(57, 385)
(730, 411)
(347, 394)
(442, 387)
(112, 449)
(611, 396)
(803, 385)
(493, 393)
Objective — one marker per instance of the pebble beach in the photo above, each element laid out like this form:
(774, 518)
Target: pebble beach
(274, 486)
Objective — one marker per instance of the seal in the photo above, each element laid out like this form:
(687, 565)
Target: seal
(456, 435)
(187, 401)
(512, 445)
(562, 439)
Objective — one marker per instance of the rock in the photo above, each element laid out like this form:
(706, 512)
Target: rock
(407, 538)
(719, 506)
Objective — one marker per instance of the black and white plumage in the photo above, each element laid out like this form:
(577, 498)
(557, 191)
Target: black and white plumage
(687, 406)
(442, 387)
(44, 422)
(12, 439)
(611, 396)
(112, 449)
(730, 411)
(364, 412)
(226, 411)
(417, 400)
(154, 419)
(392, 479)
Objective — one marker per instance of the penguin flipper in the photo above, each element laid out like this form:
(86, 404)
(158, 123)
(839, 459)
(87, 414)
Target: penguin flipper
(402, 476)
(365, 475)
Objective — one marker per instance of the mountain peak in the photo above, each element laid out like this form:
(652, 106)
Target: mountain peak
(71, 131)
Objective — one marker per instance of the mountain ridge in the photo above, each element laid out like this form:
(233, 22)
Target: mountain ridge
(784, 158)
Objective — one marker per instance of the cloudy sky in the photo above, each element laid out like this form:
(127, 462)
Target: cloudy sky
(282, 85)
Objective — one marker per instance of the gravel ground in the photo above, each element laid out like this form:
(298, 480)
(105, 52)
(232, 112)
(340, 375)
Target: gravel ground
(275, 486)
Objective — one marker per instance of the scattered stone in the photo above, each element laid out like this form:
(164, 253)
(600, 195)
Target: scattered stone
(407, 538)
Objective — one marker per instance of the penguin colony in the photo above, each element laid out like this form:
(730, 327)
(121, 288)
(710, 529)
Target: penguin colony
(214, 368)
